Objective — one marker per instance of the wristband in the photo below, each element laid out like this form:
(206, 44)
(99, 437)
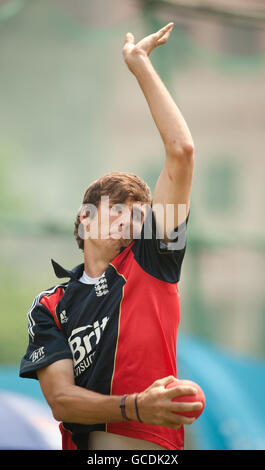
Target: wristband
(122, 407)
(136, 408)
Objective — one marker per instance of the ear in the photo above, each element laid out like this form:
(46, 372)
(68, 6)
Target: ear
(88, 216)
(87, 211)
(84, 217)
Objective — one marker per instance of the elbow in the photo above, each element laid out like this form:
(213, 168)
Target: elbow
(58, 416)
(58, 407)
(185, 152)
(188, 151)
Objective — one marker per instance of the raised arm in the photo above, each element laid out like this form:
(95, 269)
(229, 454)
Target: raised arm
(174, 183)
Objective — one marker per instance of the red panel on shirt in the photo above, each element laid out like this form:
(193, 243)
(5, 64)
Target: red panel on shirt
(51, 301)
(146, 346)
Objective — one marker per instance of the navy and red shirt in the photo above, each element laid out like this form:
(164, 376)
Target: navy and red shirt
(120, 332)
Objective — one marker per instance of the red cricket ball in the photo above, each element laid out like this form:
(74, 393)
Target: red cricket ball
(199, 396)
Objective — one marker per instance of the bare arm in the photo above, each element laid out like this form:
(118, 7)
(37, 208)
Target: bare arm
(71, 403)
(74, 404)
(174, 183)
(168, 118)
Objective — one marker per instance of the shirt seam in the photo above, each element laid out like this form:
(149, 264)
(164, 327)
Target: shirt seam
(46, 359)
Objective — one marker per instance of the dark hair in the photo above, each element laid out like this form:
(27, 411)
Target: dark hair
(119, 186)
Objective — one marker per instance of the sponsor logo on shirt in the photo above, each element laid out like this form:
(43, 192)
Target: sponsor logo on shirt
(37, 355)
(83, 342)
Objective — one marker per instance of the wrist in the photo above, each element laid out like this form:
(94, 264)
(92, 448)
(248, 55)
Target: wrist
(137, 61)
(136, 405)
(130, 407)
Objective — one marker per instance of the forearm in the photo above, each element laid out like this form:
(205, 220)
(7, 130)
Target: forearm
(73, 404)
(78, 405)
(171, 124)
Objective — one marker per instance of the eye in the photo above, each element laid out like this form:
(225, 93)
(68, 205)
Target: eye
(116, 209)
(137, 215)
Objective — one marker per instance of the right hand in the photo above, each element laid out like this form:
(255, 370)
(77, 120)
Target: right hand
(131, 51)
(155, 404)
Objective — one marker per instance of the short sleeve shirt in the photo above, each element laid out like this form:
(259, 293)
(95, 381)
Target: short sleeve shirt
(120, 332)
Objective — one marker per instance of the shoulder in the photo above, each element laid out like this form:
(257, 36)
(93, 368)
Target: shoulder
(44, 305)
(49, 297)
(159, 259)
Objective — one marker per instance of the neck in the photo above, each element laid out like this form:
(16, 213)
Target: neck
(97, 256)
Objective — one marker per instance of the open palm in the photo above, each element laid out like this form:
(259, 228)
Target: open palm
(146, 45)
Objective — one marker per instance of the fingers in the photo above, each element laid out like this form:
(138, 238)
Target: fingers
(156, 405)
(165, 30)
(129, 38)
(184, 407)
(127, 47)
(180, 390)
(165, 381)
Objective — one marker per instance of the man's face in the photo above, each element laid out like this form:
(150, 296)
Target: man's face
(115, 224)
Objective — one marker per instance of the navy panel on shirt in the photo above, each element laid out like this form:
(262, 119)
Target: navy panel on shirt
(156, 258)
(89, 317)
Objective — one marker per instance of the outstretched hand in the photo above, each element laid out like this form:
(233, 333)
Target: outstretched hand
(132, 51)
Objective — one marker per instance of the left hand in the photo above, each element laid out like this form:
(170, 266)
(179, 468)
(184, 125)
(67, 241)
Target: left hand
(131, 51)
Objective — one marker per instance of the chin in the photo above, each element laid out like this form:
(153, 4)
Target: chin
(126, 242)
(120, 242)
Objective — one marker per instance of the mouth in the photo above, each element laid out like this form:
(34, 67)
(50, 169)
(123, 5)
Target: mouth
(120, 235)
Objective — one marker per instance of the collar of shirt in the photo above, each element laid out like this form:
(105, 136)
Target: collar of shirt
(61, 272)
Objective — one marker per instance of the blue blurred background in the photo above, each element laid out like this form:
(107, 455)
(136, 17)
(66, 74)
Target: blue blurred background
(70, 112)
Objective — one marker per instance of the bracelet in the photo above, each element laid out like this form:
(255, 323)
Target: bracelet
(136, 408)
(122, 407)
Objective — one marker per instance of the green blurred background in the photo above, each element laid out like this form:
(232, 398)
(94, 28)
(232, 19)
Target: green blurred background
(70, 111)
